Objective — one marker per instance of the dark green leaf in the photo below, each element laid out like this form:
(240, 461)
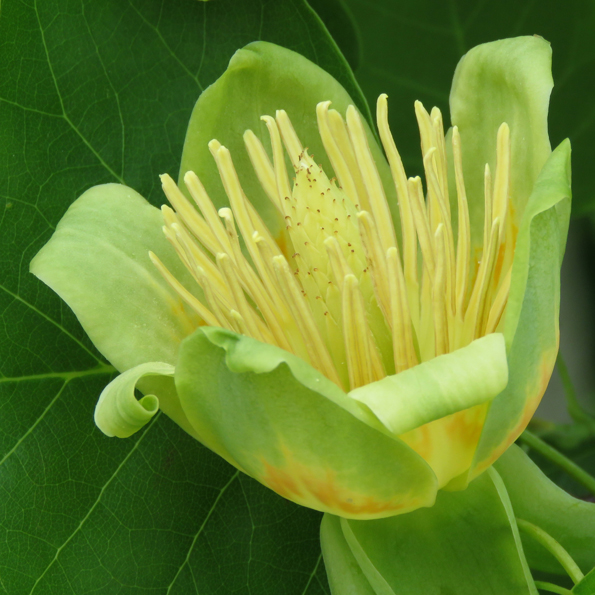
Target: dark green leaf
(410, 49)
(586, 586)
(342, 26)
(92, 92)
(576, 442)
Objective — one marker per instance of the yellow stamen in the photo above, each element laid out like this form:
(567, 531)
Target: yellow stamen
(267, 299)
(502, 178)
(319, 355)
(405, 209)
(251, 319)
(499, 304)
(209, 212)
(220, 311)
(438, 127)
(342, 298)
(438, 294)
(283, 188)
(488, 207)
(342, 161)
(421, 223)
(377, 198)
(239, 323)
(447, 244)
(188, 214)
(426, 133)
(263, 167)
(474, 314)
(375, 254)
(363, 360)
(197, 258)
(464, 237)
(290, 138)
(403, 346)
(192, 301)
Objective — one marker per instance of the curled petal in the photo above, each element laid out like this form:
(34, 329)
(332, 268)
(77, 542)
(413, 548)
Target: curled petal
(118, 412)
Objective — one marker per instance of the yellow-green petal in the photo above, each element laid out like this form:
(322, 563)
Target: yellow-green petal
(262, 78)
(535, 498)
(531, 327)
(443, 549)
(439, 387)
(344, 574)
(97, 261)
(294, 430)
(510, 81)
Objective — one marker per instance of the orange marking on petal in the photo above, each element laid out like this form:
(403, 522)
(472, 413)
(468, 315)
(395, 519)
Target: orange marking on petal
(448, 444)
(545, 373)
(466, 426)
(281, 482)
(323, 491)
(420, 440)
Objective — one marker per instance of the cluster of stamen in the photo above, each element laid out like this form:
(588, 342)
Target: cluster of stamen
(346, 295)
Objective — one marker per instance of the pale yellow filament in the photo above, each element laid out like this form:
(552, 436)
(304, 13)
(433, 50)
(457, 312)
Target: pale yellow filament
(262, 166)
(314, 344)
(343, 162)
(402, 328)
(408, 230)
(344, 293)
(464, 237)
(363, 360)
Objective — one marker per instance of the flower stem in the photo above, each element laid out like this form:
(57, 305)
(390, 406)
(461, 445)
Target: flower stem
(553, 547)
(551, 588)
(556, 457)
(575, 409)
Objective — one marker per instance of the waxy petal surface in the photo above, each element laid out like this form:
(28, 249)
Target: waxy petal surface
(503, 81)
(262, 78)
(531, 325)
(439, 387)
(438, 407)
(97, 261)
(118, 412)
(295, 431)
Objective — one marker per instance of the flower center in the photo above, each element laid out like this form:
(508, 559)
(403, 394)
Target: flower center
(348, 296)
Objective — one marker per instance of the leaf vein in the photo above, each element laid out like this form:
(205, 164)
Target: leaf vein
(200, 529)
(103, 369)
(56, 324)
(34, 425)
(64, 114)
(109, 80)
(312, 574)
(185, 68)
(94, 505)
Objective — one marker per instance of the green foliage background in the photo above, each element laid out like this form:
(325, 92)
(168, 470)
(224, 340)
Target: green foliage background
(93, 91)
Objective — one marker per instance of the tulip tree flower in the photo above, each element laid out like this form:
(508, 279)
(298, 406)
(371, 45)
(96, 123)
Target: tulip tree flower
(353, 338)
